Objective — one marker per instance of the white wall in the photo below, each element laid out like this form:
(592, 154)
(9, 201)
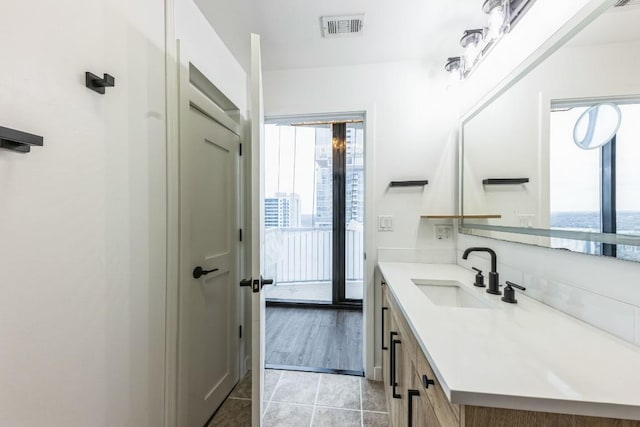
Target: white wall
(412, 117)
(209, 54)
(82, 235)
(601, 291)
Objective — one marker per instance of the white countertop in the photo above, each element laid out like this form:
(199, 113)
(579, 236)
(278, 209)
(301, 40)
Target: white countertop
(518, 356)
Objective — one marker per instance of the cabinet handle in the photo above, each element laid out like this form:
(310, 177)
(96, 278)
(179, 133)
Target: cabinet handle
(411, 394)
(394, 357)
(426, 381)
(384, 347)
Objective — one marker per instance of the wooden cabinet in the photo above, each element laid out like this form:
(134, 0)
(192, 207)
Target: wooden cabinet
(399, 369)
(416, 399)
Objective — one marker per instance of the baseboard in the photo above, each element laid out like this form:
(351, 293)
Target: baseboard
(377, 373)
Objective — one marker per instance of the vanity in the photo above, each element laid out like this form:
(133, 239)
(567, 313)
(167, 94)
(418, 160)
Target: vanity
(454, 355)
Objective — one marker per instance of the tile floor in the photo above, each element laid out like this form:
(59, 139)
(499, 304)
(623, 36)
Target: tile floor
(308, 399)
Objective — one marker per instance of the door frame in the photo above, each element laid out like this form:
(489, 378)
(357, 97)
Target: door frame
(370, 296)
(339, 171)
(177, 66)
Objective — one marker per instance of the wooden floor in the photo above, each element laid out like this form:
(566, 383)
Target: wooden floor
(314, 338)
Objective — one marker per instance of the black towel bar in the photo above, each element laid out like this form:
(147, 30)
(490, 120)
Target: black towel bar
(16, 140)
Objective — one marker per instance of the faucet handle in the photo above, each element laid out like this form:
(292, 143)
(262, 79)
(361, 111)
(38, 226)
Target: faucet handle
(510, 294)
(479, 278)
(522, 288)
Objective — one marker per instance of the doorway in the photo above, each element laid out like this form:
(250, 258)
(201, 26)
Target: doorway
(208, 342)
(314, 211)
(314, 243)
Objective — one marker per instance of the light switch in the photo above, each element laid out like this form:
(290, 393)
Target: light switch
(385, 223)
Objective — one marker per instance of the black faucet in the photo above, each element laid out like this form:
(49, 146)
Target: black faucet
(494, 282)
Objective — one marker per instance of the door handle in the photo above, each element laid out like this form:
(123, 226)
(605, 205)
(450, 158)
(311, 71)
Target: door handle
(198, 272)
(384, 347)
(392, 359)
(411, 394)
(256, 285)
(393, 369)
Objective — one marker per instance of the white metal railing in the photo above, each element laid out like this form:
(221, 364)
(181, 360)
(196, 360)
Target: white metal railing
(294, 255)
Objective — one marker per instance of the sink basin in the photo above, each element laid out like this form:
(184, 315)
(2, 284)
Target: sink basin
(449, 293)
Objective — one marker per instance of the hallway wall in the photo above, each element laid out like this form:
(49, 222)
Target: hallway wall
(82, 235)
(83, 230)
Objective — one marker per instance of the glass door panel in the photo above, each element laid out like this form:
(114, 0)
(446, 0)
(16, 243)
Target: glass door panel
(298, 213)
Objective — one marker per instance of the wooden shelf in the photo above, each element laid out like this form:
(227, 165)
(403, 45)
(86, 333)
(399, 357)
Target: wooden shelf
(461, 216)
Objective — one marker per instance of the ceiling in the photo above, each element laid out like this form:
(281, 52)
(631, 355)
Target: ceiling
(394, 30)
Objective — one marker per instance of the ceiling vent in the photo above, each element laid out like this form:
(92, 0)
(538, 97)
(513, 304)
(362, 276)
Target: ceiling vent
(342, 26)
(621, 3)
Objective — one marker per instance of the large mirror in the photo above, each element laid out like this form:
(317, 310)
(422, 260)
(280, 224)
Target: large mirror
(555, 159)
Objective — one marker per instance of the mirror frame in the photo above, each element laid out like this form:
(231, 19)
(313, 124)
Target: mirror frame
(553, 44)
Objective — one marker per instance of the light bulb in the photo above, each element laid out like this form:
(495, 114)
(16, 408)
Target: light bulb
(471, 53)
(496, 22)
(471, 42)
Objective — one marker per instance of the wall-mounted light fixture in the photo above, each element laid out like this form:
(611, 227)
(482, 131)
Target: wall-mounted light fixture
(502, 15)
(498, 14)
(472, 42)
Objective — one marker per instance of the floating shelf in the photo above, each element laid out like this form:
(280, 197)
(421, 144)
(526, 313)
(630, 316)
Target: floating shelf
(461, 216)
(505, 181)
(408, 183)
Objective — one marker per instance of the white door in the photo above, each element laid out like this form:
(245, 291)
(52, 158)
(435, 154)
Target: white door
(208, 340)
(257, 221)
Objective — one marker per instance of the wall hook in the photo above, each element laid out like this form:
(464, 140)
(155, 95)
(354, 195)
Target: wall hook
(98, 84)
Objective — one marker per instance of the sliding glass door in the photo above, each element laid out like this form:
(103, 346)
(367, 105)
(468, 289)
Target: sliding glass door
(314, 212)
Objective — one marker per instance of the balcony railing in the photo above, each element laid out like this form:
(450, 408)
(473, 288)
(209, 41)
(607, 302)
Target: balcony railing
(295, 255)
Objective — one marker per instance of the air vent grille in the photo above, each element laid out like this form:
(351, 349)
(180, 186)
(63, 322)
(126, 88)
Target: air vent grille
(342, 26)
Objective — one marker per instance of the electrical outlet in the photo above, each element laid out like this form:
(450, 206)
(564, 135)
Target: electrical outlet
(385, 223)
(444, 232)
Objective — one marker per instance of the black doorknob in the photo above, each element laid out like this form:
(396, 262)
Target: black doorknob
(198, 272)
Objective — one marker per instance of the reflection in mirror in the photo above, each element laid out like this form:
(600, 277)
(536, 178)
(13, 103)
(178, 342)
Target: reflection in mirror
(571, 126)
(597, 125)
(596, 190)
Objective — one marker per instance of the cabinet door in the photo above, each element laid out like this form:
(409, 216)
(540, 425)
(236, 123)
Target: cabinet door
(423, 413)
(393, 372)
(448, 414)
